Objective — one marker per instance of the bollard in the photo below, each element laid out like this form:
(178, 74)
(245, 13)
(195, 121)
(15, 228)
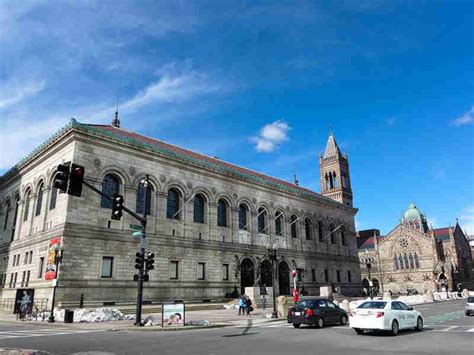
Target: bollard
(81, 302)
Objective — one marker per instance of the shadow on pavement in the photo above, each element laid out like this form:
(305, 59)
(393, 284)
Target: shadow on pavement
(245, 332)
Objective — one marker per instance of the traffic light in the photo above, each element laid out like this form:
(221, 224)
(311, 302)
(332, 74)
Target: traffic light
(76, 177)
(117, 207)
(138, 261)
(62, 177)
(150, 261)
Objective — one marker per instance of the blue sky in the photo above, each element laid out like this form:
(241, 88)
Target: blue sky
(258, 84)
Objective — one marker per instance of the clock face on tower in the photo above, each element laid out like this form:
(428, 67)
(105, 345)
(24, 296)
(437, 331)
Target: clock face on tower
(403, 243)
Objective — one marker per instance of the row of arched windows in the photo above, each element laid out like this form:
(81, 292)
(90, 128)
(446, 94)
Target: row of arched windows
(111, 186)
(405, 262)
(330, 180)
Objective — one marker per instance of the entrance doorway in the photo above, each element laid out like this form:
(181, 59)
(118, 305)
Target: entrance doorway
(247, 274)
(266, 274)
(284, 278)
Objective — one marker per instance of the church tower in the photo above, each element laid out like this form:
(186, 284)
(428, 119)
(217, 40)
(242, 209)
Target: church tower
(334, 173)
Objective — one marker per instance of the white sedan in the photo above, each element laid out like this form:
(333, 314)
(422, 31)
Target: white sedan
(384, 315)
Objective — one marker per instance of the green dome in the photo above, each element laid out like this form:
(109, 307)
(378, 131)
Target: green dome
(412, 213)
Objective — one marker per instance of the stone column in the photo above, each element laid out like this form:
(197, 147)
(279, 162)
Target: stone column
(47, 195)
(234, 225)
(212, 221)
(160, 212)
(31, 213)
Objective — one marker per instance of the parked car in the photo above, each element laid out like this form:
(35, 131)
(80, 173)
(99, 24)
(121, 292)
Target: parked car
(469, 308)
(387, 315)
(316, 312)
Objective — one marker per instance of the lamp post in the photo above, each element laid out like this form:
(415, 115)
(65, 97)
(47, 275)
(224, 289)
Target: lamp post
(272, 253)
(58, 257)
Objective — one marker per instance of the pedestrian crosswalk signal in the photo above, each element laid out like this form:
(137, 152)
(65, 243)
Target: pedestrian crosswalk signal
(117, 207)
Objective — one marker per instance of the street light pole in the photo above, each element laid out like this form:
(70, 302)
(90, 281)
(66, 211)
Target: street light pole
(138, 312)
(58, 255)
(369, 266)
(273, 257)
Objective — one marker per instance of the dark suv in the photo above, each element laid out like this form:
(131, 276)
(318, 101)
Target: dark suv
(317, 311)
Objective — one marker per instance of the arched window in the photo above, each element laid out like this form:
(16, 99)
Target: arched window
(262, 220)
(54, 197)
(343, 236)
(320, 231)
(417, 262)
(110, 187)
(412, 262)
(331, 181)
(396, 266)
(326, 178)
(307, 228)
(141, 198)
(172, 204)
(278, 224)
(405, 259)
(334, 179)
(294, 231)
(222, 213)
(333, 234)
(27, 206)
(400, 261)
(243, 209)
(7, 213)
(198, 209)
(39, 200)
(15, 215)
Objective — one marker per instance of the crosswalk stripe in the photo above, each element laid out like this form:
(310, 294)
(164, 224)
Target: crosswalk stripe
(449, 328)
(470, 330)
(41, 332)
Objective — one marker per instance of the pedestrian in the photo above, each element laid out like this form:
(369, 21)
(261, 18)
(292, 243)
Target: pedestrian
(249, 307)
(264, 302)
(242, 305)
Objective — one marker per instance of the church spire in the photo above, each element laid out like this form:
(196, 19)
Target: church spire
(116, 121)
(334, 173)
(332, 149)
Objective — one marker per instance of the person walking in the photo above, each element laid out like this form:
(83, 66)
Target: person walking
(248, 307)
(242, 305)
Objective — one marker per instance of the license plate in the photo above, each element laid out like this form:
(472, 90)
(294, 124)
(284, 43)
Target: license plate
(297, 313)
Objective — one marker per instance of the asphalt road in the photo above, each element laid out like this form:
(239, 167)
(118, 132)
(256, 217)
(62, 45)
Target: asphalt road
(448, 331)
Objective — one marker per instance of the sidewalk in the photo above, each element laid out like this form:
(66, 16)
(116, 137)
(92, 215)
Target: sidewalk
(217, 318)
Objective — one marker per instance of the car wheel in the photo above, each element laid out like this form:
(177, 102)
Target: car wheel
(419, 324)
(320, 323)
(343, 320)
(395, 328)
(359, 331)
(296, 325)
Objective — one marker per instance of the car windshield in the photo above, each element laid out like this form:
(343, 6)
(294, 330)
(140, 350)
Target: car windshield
(373, 305)
(470, 300)
(306, 303)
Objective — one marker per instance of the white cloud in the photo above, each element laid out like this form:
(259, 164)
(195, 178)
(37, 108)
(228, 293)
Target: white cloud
(466, 220)
(20, 134)
(173, 89)
(466, 119)
(13, 93)
(271, 136)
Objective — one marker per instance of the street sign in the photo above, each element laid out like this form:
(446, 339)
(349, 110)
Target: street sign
(137, 234)
(143, 243)
(136, 227)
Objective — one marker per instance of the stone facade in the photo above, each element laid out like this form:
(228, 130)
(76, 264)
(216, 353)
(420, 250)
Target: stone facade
(99, 253)
(413, 256)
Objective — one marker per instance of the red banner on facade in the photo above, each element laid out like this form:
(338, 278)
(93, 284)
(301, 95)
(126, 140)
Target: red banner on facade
(54, 244)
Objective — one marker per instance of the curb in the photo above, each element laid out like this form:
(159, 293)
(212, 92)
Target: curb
(159, 328)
